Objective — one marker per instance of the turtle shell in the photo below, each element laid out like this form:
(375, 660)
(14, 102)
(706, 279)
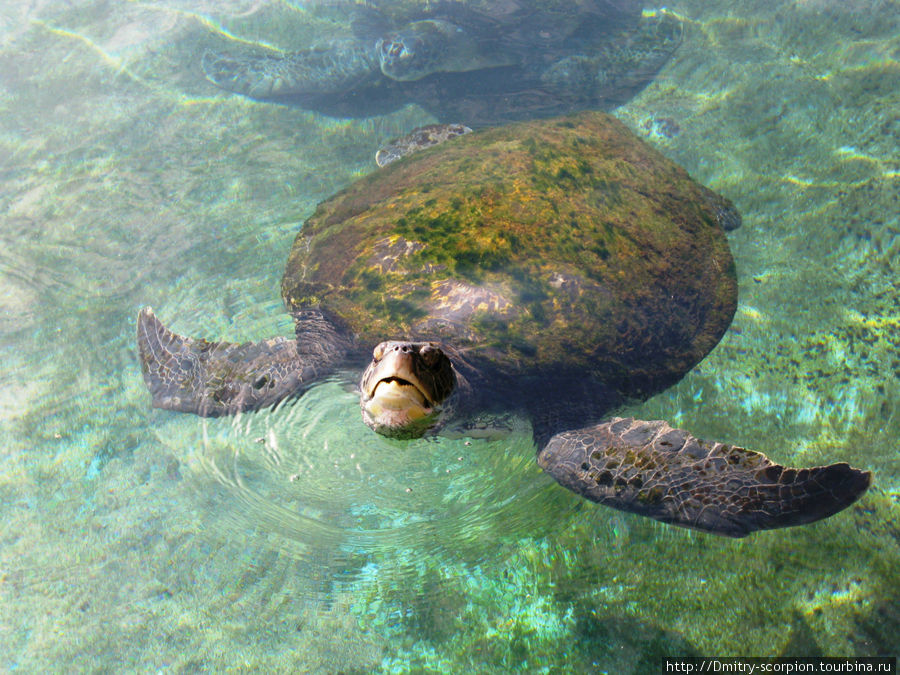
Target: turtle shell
(508, 11)
(530, 24)
(567, 246)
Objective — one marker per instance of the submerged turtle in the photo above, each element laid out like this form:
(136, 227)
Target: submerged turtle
(520, 58)
(552, 269)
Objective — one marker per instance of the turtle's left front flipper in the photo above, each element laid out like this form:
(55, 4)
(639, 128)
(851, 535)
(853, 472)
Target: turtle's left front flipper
(653, 470)
(333, 70)
(223, 378)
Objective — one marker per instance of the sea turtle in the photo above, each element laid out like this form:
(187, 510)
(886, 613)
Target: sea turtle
(552, 269)
(520, 59)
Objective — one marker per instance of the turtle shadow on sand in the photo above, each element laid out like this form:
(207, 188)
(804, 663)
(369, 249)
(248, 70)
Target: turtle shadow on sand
(477, 62)
(554, 269)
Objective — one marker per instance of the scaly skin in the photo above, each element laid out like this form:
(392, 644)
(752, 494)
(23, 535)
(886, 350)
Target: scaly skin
(223, 378)
(653, 470)
(314, 72)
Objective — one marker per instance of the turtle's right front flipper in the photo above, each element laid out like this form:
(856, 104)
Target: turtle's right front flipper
(653, 470)
(222, 378)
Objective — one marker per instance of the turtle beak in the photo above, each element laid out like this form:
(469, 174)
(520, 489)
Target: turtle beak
(395, 392)
(402, 392)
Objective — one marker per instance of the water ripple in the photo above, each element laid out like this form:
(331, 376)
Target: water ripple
(311, 474)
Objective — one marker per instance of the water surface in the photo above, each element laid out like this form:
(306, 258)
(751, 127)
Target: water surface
(294, 539)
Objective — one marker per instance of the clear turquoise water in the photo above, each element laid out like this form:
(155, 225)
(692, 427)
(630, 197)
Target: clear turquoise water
(135, 539)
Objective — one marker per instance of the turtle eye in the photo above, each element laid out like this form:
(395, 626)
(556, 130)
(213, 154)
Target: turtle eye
(378, 352)
(430, 354)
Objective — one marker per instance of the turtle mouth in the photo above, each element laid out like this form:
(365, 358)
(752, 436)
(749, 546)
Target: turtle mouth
(398, 408)
(400, 393)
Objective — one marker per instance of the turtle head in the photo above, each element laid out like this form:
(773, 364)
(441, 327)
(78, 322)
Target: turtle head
(414, 51)
(399, 56)
(403, 388)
